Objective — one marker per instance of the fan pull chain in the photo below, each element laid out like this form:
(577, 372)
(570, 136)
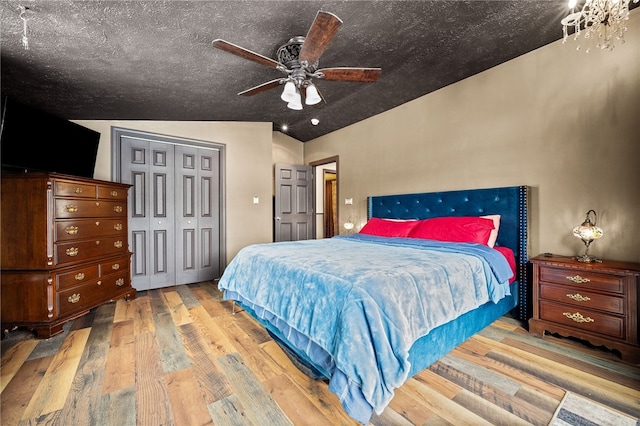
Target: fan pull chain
(25, 39)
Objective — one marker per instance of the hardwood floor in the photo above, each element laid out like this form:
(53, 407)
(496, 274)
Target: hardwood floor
(180, 356)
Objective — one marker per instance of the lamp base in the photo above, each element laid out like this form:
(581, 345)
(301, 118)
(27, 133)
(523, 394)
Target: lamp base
(588, 259)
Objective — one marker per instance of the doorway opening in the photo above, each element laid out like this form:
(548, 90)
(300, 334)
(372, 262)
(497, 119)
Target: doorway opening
(326, 177)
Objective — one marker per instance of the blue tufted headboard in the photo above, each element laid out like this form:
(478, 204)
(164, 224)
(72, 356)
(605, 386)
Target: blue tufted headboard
(509, 202)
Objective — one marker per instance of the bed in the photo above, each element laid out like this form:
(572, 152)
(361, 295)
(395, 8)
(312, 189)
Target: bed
(370, 310)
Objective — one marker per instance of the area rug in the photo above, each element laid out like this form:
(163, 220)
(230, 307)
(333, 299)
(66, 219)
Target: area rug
(575, 410)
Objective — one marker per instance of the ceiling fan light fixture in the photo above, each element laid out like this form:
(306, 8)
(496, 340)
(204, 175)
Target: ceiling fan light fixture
(289, 93)
(296, 102)
(313, 97)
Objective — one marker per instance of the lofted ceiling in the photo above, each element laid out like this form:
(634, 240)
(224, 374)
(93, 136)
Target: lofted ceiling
(153, 60)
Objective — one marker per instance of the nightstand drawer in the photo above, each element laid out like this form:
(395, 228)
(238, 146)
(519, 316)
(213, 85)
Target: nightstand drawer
(581, 278)
(583, 319)
(582, 299)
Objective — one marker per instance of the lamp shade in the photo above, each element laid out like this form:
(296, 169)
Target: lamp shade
(313, 97)
(588, 231)
(289, 92)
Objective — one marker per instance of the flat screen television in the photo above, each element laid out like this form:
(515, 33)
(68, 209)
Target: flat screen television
(33, 140)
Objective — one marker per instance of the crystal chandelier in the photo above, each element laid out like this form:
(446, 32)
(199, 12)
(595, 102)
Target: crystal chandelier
(601, 20)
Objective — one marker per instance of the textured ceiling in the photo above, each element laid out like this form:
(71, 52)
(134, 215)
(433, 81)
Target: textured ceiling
(153, 60)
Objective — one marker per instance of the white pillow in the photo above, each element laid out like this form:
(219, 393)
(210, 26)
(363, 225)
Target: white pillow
(496, 225)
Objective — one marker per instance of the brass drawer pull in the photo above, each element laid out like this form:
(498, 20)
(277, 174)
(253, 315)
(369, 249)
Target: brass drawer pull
(74, 298)
(77, 190)
(117, 227)
(117, 244)
(578, 297)
(79, 276)
(99, 282)
(577, 317)
(114, 193)
(71, 230)
(115, 266)
(578, 279)
(71, 208)
(120, 282)
(73, 251)
(117, 209)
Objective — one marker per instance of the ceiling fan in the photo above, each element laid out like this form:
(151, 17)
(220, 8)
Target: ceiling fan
(298, 59)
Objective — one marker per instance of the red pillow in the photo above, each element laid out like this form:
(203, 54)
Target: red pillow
(462, 229)
(511, 258)
(388, 228)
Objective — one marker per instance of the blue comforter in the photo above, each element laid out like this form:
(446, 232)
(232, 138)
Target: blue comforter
(364, 300)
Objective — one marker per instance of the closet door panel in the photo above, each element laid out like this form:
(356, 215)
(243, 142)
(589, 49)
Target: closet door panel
(148, 166)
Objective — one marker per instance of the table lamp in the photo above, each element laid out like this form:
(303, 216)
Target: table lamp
(588, 232)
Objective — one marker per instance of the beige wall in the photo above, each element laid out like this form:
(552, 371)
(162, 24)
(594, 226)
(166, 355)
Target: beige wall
(562, 121)
(287, 150)
(248, 170)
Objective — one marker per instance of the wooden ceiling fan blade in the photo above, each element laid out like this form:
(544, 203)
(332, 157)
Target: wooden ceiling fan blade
(245, 53)
(319, 37)
(365, 75)
(263, 87)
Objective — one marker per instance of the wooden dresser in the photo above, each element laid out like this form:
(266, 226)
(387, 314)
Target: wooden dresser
(64, 249)
(597, 302)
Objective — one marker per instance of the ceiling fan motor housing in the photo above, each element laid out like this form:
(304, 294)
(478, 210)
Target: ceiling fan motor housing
(288, 54)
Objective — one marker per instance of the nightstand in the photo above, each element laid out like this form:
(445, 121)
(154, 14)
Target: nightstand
(597, 302)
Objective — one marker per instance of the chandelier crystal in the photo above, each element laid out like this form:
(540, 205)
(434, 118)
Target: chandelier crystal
(603, 21)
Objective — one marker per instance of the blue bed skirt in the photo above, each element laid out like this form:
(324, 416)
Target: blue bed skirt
(441, 340)
(425, 351)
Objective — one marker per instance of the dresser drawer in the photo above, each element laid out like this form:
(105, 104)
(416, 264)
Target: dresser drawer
(114, 265)
(67, 208)
(78, 276)
(91, 294)
(74, 189)
(82, 229)
(112, 192)
(77, 251)
(582, 299)
(118, 280)
(583, 319)
(583, 278)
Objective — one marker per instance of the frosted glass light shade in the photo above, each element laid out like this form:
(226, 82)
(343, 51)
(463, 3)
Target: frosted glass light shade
(296, 102)
(289, 92)
(313, 97)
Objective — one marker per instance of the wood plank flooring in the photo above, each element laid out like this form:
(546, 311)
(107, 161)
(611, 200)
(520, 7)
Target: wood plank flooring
(181, 356)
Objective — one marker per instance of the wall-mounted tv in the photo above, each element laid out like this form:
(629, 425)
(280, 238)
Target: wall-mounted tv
(33, 140)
